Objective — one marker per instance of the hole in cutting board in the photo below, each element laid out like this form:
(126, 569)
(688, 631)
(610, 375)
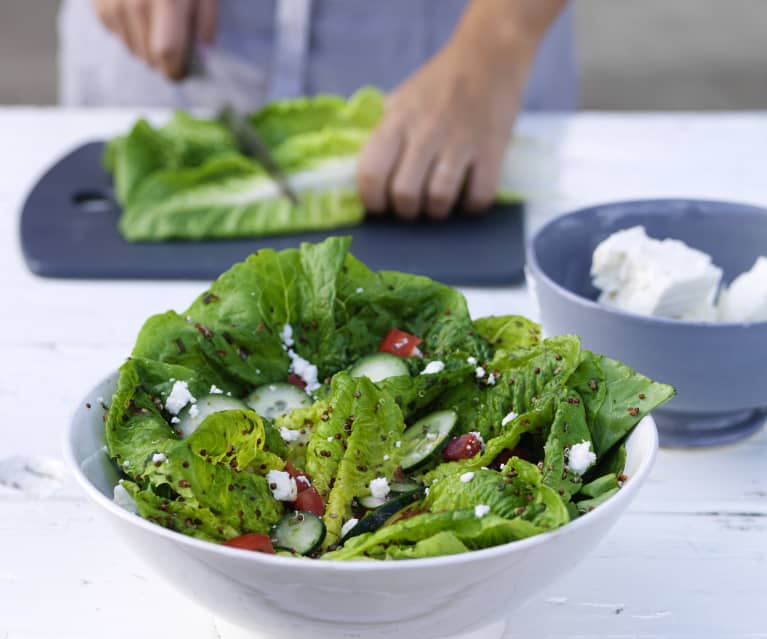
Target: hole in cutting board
(93, 201)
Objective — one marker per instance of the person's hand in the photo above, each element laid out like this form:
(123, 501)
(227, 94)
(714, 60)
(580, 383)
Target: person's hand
(160, 32)
(445, 129)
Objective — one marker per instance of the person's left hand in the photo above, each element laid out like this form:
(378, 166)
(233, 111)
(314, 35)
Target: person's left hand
(444, 133)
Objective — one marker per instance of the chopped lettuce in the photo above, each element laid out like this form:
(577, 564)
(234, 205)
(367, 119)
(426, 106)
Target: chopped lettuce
(531, 401)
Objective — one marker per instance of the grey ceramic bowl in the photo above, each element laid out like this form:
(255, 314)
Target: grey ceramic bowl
(719, 370)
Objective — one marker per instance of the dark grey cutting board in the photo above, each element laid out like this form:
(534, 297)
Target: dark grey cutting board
(69, 229)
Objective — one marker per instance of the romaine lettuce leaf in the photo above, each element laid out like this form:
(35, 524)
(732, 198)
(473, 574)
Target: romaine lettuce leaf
(616, 398)
(473, 532)
(354, 443)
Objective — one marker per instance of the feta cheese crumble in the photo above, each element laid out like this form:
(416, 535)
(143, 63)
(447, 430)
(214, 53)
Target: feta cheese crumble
(432, 368)
(123, 499)
(580, 458)
(360, 290)
(286, 335)
(215, 390)
(158, 458)
(174, 420)
(471, 361)
(480, 510)
(290, 435)
(467, 477)
(305, 370)
(193, 410)
(282, 485)
(348, 525)
(379, 487)
(298, 365)
(178, 397)
(511, 415)
(480, 372)
(491, 379)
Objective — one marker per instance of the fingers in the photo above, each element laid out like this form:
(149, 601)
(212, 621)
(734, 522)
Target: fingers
(482, 180)
(135, 21)
(170, 36)
(377, 163)
(160, 32)
(206, 21)
(445, 181)
(408, 184)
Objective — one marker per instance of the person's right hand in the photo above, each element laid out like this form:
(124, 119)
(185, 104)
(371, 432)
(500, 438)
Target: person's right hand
(160, 32)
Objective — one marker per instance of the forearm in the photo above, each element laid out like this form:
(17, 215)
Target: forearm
(506, 27)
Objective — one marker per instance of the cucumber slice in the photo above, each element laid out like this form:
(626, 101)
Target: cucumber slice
(404, 486)
(379, 366)
(299, 532)
(193, 414)
(375, 519)
(427, 437)
(370, 502)
(273, 400)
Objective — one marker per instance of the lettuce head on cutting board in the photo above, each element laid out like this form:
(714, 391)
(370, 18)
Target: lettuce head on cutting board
(187, 180)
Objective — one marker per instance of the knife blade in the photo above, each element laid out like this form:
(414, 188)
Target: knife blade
(251, 145)
(233, 78)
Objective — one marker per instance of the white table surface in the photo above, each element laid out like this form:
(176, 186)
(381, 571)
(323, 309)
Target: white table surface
(688, 560)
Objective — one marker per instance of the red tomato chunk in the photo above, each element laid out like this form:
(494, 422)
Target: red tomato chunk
(257, 542)
(462, 447)
(296, 381)
(400, 343)
(310, 501)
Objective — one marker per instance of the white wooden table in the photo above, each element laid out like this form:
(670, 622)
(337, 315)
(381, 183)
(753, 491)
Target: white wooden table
(689, 559)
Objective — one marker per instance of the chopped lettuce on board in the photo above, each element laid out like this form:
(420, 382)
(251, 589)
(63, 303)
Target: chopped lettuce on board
(187, 180)
(534, 429)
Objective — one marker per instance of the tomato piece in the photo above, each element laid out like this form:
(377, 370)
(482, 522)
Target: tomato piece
(297, 381)
(310, 501)
(303, 481)
(400, 343)
(462, 447)
(257, 542)
(294, 472)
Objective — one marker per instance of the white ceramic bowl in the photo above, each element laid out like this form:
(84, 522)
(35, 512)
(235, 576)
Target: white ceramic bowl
(282, 597)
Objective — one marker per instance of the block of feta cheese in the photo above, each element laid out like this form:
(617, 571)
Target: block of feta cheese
(663, 278)
(745, 300)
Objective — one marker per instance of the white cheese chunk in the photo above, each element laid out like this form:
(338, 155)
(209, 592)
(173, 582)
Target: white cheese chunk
(664, 278)
(379, 488)
(282, 485)
(432, 368)
(480, 510)
(745, 300)
(178, 398)
(580, 458)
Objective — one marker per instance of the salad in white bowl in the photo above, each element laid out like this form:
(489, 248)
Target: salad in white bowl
(306, 406)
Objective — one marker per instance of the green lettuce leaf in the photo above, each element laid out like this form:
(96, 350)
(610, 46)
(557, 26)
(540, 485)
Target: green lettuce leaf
(353, 444)
(616, 398)
(465, 526)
